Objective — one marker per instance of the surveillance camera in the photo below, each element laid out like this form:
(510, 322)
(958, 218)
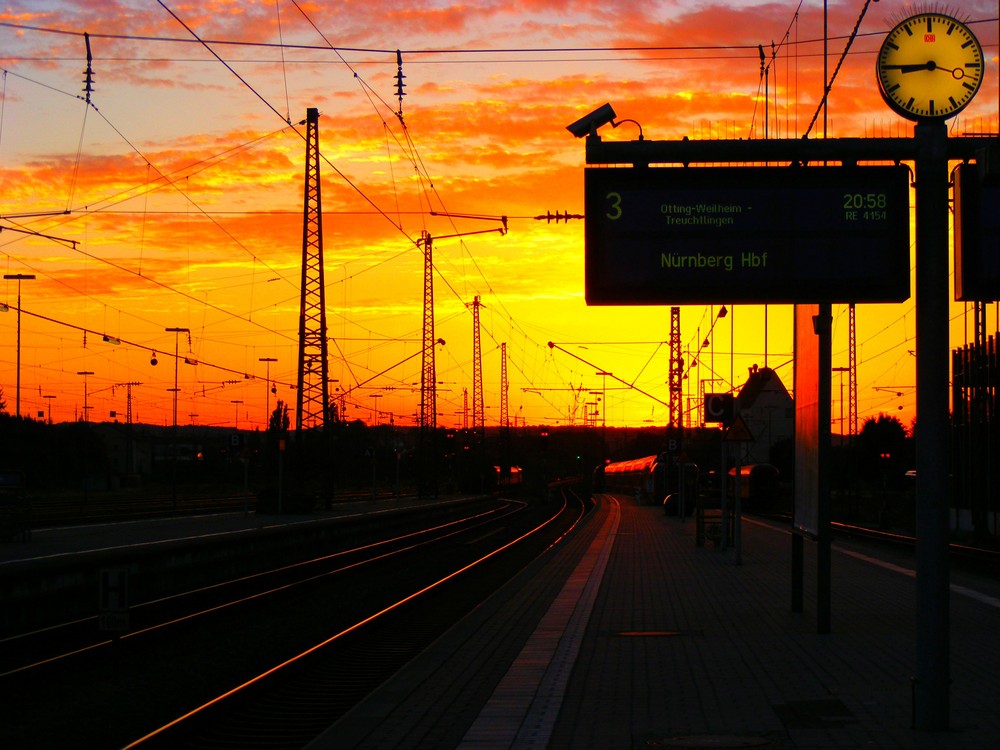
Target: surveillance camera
(589, 124)
(153, 360)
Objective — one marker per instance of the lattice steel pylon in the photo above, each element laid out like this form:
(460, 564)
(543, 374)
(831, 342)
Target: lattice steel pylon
(427, 464)
(128, 401)
(504, 413)
(504, 388)
(312, 396)
(428, 370)
(478, 407)
(676, 378)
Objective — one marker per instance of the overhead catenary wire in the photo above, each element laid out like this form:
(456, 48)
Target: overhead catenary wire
(165, 180)
(127, 342)
(284, 72)
(828, 85)
(3, 104)
(227, 65)
(411, 149)
(750, 48)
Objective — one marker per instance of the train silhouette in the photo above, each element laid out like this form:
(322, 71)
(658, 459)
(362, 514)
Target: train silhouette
(662, 480)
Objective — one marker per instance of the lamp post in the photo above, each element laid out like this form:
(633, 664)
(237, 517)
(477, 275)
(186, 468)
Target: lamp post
(19, 277)
(596, 403)
(49, 396)
(85, 373)
(267, 393)
(237, 402)
(177, 333)
(339, 417)
(604, 392)
(173, 453)
(841, 370)
(604, 399)
(84, 431)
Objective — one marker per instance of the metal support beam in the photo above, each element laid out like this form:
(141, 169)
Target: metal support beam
(775, 151)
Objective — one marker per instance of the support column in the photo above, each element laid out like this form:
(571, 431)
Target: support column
(931, 700)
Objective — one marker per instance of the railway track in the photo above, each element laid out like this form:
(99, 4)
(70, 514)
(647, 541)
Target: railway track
(101, 508)
(268, 660)
(977, 558)
(981, 559)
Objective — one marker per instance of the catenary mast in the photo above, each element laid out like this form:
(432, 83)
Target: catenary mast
(312, 395)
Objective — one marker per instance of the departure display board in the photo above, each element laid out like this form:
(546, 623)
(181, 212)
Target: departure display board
(708, 235)
(977, 236)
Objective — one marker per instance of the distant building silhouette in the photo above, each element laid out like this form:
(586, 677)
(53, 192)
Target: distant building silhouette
(768, 411)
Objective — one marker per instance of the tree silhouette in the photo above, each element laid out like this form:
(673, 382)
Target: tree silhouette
(279, 421)
(882, 450)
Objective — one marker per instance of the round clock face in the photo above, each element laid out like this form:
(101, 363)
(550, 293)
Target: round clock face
(929, 67)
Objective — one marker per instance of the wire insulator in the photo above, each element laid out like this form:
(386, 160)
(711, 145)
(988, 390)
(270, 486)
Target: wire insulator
(88, 82)
(399, 80)
(549, 217)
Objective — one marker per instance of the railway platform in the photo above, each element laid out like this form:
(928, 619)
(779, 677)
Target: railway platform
(629, 636)
(105, 537)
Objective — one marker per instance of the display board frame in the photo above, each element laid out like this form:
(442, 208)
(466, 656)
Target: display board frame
(757, 235)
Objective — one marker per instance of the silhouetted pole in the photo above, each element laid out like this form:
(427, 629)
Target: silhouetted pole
(19, 277)
(237, 402)
(824, 565)
(930, 697)
(85, 373)
(267, 392)
(173, 451)
(49, 397)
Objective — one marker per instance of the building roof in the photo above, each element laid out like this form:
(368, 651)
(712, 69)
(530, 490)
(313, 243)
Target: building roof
(762, 380)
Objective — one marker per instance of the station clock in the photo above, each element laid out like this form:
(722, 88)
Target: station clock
(930, 66)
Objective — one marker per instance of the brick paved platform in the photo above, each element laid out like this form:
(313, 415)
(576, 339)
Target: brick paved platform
(629, 636)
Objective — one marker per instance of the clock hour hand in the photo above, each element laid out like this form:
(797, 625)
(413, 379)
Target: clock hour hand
(929, 65)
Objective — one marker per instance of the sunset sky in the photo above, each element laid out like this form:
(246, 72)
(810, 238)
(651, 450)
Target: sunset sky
(174, 198)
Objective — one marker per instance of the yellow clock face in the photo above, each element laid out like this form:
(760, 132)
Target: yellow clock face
(930, 67)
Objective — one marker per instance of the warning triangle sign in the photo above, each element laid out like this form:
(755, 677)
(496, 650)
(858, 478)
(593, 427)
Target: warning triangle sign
(738, 432)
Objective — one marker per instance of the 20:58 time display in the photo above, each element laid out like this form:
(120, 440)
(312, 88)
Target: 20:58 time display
(858, 201)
